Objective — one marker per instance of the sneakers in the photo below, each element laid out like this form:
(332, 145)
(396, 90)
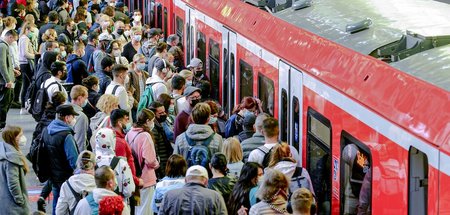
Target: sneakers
(24, 111)
(41, 205)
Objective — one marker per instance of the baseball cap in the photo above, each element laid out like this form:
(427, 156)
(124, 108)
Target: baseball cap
(249, 121)
(119, 4)
(153, 32)
(86, 160)
(105, 36)
(189, 90)
(197, 170)
(66, 110)
(195, 62)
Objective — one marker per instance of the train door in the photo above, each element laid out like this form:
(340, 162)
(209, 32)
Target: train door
(228, 69)
(190, 36)
(291, 94)
(418, 182)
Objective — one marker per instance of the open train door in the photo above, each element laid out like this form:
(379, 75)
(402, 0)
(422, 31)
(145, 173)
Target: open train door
(190, 34)
(290, 111)
(228, 69)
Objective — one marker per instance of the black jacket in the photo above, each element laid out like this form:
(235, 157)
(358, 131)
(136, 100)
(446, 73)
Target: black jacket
(163, 148)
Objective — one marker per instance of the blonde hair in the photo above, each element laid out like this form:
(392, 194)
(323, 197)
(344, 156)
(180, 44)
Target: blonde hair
(49, 33)
(274, 181)
(280, 152)
(232, 150)
(77, 91)
(302, 200)
(135, 29)
(136, 58)
(9, 21)
(186, 73)
(201, 113)
(26, 26)
(30, 19)
(107, 103)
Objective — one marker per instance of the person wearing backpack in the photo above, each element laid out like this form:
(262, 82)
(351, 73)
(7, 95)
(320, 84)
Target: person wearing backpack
(105, 179)
(178, 86)
(183, 119)
(143, 148)
(59, 143)
(262, 154)
(77, 186)
(199, 142)
(161, 52)
(136, 85)
(77, 69)
(117, 87)
(282, 161)
(58, 70)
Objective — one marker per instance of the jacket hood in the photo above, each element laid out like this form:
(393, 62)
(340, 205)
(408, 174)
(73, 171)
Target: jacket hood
(82, 182)
(49, 58)
(105, 142)
(154, 79)
(72, 58)
(57, 126)
(199, 132)
(97, 119)
(286, 167)
(9, 153)
(100, 193)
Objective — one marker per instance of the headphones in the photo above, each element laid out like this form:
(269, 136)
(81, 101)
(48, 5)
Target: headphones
(109, 47)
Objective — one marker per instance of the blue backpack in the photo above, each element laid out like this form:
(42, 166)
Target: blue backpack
(199, 154)
(92, 204)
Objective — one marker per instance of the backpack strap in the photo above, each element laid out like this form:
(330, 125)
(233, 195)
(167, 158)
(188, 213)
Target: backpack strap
(92, 204)
(264, 149)
(76, 195)
(114, 90)
(114, 162)
(131, 144)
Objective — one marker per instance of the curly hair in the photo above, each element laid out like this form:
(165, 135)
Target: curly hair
(107, 103)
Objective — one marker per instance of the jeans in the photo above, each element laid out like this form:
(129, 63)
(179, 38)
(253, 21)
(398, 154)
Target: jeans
(56, 187)
(27, 74)
(6, 97)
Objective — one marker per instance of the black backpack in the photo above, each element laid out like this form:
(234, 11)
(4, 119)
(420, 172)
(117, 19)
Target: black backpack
(138, 165)
(41, 99)
(31, 91)
(78, 197)
(267, 153)
(39, 158)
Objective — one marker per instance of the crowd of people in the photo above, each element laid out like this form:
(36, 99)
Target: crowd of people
(125, 127)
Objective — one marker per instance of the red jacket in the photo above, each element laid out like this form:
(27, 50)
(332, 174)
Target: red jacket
(124, 150)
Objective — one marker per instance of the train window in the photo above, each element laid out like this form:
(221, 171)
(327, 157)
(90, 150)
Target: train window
(225, 80)
(165, 22)
(284, 115)
(201, 48)
(356, 176)
(245, 80)
(214, 70)
(266, 93)
(159, 15)
(232, 82)
(152, 12)
(319, 161)
(418, 182)
(179, 26)
(296, 123)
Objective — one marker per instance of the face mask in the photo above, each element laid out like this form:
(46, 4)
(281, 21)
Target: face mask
(120, 31)
(30, 35)
(126, 33)
(57, 50)
(63, 54)
(73, 122)
(212, 120)
(161, 40)
(117, 53)
(188, 83)
(23, 140)
(84, 103)
(169, 74)
(198, 74)
(106, 24)
(127, 79)
(97, 88)
(138, 37)
(137, 18)
(126, 127)
(84, 37)
(140, 66)
(260, 180)
(151, 125)
(64, 76)
(112, 4)
(194, 102)
(162, 118)
(172, 110)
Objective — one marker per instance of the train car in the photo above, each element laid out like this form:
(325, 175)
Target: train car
(362, 90)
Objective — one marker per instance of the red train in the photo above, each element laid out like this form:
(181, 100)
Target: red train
(366, 104)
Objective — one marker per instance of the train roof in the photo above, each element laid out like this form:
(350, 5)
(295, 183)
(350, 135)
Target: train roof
(435, 69)
(389, 20)
(414, 104)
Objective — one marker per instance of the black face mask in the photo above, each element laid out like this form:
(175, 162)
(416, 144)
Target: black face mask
(120, 31)
(198, 74)
(162, 118)
(194, 102)
(64, 76)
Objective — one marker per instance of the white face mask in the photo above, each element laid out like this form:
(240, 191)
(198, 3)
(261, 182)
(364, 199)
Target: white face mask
(127, 79)
(260, 180)
(137, 18)
(73, 122)
(138, 37)
(151, 125)
(23, 140)
(126, 33)
(188, 83)
(117, 53)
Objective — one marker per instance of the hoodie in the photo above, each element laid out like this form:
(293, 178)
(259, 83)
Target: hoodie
(288, 168)
(60, 143)
(83, 206)
(44, 68)
(13, 191)
(197, 133)
(82, 184)
(77, 69)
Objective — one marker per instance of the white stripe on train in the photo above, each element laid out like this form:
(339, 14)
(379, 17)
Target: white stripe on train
(388, 129)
